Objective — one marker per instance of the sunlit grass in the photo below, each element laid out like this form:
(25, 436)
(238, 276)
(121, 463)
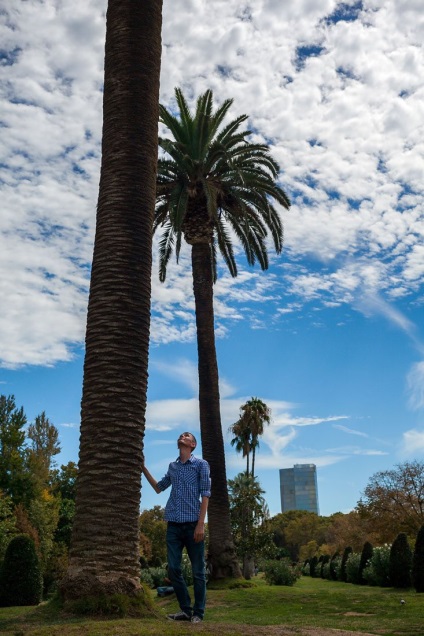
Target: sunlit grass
(309, 603)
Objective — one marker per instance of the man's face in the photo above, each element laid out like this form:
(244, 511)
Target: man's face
(186, 439)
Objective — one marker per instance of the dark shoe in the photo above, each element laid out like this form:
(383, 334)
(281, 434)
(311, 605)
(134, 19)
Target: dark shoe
(196, 619)
(179, 616)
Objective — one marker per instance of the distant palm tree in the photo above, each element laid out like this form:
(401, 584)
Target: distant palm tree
(104, 555)
(248, 428)
(214, 184)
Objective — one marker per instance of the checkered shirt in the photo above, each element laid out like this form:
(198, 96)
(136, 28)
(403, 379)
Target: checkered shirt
(190, 481)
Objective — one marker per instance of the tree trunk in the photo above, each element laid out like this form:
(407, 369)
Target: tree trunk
(104, 547)
(222, 558)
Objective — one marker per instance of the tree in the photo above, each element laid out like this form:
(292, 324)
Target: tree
(104, 555)
(153, 528)
(394, 499)
(366, 556)
(249, 427)
(7, 523)
(400, 562)
(13, 476)
(44, 446)
(212, 180)
(249, 511)
(418, 562)
(346, 554)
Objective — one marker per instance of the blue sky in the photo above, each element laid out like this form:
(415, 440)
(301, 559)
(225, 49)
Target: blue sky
(331, 337)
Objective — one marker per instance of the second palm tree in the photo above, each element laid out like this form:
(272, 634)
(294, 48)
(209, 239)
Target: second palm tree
(211, 181)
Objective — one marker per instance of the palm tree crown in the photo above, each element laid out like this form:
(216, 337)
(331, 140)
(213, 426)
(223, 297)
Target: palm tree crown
(213, 180)
(249, 427)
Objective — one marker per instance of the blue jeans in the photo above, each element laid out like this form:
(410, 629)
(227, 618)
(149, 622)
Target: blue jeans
(179, 536)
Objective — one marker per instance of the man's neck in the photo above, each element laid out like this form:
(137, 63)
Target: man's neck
(185, 454)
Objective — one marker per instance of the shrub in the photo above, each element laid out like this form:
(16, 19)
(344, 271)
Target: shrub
(313, 563)
(326, 573)
(21, 581)
(365, 559)
(335, 563)
(157, 575)
(377, 570)
(342, 571)
(306, 570)
(418, 562)
(400, 562)
(324, 562)
(281, 572)
(352, 568)
(147, 578)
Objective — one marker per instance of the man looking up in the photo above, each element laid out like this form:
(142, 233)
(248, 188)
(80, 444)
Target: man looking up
(185, 512)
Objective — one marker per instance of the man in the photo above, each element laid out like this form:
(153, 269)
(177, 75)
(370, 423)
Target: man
(185, 512)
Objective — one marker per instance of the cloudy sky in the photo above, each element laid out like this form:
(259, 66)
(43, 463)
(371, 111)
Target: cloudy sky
(331, 337)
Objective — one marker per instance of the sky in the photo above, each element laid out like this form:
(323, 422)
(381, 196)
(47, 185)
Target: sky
(331, 336)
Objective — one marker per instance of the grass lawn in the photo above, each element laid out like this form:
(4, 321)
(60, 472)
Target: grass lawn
(310, 606)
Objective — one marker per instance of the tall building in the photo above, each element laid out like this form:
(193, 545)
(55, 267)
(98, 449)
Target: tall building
(298, 488)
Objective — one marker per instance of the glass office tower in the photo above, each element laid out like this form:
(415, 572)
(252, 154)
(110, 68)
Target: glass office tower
(298, 488)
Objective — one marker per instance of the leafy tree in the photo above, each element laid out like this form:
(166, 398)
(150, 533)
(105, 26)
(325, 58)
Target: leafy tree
(43, 514)
(104, 555)
(153, 529)
(366, 556)
(248, 514)
(21, 582)
(7, 523)
(213, 182)
(394, 499)
(44, 446)
(249, 427)
(400, 562)
(64, 480)
(14, 480)
(418, 562)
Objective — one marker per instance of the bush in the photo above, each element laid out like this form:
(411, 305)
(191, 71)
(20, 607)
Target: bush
(21, 581)
(342, 571)
(365, 559)
(313, 566)
(306, 570)
(400, 562)
(157, 576)
(352, 568)
(377, 570)
(418, 562)
(326, 573)
(147, 578)
(324, 562)
(281, 572)
(335, 564)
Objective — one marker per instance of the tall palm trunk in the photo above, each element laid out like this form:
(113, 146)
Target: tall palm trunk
(221, 555)
(104, 548)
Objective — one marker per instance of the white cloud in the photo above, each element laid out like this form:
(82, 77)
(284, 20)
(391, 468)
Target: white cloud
(345, 124)
(416, 385)
(351, 431)
(413, 443)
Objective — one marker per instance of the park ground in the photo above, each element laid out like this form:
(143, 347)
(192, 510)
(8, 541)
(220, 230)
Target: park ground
(312, 607)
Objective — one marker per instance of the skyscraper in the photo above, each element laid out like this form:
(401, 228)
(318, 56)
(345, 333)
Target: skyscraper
(298, 488)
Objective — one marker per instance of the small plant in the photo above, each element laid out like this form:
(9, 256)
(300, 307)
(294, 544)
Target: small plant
(377, 570)
(281, 572)
(21, 581)
(352, 568)
(157, 575)
(418, 562)
(400, 562)
(147, 578)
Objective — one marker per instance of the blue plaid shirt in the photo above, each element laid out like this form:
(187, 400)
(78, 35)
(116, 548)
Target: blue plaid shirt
(190, 481)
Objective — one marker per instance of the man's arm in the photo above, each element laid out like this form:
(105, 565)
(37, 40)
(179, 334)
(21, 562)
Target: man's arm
(152, 481)
(199, 531)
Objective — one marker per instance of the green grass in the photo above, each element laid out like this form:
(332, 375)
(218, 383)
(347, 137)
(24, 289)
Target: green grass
(310, 603)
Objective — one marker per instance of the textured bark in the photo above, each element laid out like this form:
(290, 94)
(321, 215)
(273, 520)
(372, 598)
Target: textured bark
(222, 559)
(104, 548)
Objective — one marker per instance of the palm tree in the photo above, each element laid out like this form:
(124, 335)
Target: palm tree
(104, 549)
(212, 183)
(248, 428)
